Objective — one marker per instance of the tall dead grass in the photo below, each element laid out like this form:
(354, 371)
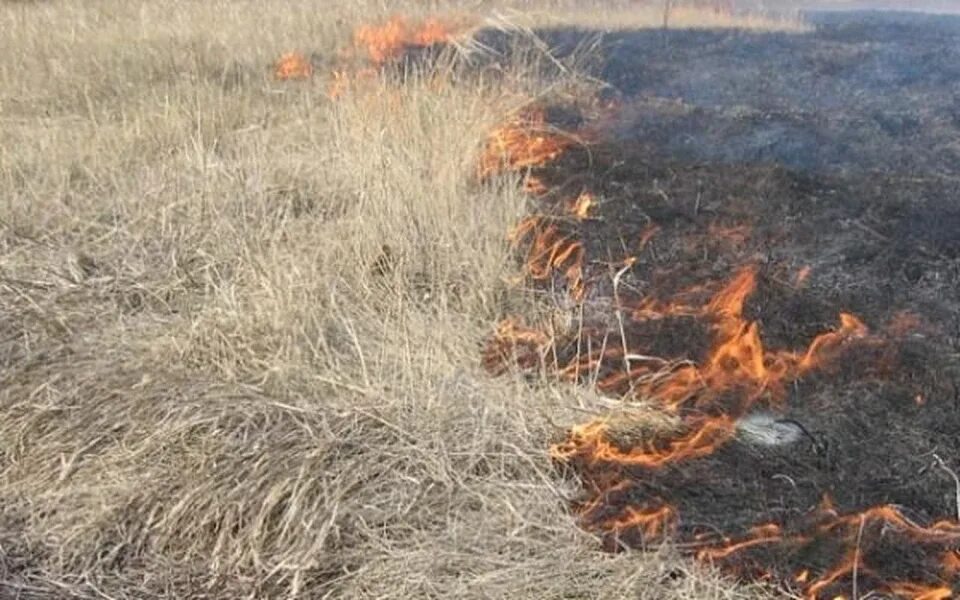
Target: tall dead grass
(239, 326)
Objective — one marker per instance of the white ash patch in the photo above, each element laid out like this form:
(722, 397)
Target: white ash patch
(764, 429)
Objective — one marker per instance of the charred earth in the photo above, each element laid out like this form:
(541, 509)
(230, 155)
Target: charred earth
(761, 239)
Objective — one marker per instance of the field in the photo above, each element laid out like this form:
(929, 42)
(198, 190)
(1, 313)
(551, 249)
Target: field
(242, 319)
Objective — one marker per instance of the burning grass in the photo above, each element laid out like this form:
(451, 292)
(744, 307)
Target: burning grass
(215, 382)
(523, 142)
(293, 65)
(241, 321)
(397, 36)
(687, 483)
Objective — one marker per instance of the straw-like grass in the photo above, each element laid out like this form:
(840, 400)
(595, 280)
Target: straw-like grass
(214, 379)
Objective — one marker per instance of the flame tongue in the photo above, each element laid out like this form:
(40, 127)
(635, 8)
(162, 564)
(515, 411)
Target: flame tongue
(391, 39)
(590, 443)
(524, 142)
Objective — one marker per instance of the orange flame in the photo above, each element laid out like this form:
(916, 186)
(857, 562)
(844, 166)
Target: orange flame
(847, 567)
(891, 516)
(523, 142)
(738, 361)
(293, 66)
(654, 523)
(758, 536)
(915, 591)
(551, 251)
(391, 39)
(849, 528)
(739, 358)
(590, 442)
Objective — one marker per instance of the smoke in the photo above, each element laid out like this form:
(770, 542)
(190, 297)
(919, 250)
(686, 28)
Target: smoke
(931, 6)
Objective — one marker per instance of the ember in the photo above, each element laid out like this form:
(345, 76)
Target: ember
(582, 205)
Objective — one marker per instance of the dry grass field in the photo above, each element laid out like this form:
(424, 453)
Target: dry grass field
(208, 386)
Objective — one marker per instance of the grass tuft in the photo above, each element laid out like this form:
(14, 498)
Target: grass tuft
(240, 324)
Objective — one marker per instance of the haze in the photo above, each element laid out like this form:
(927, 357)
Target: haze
(936, 6)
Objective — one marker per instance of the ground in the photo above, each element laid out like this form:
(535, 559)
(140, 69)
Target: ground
(242, 321)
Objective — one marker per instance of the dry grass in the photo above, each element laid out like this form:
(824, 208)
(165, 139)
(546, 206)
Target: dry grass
(206, 390)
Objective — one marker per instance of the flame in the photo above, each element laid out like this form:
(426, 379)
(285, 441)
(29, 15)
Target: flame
(740, 357)
(551, 250)
(921, 592)
(391, 39)
(738, 360)
(891, 515)
(293, 66)
(590, 442)
(387, 41)
(848, 528)
(654, 523)
(523, 142)
(849, 565)
(708, 397)
(582, 205)
(758, 536)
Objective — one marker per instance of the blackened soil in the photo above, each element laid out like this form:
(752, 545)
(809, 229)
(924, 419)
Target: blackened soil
(876, 419)
(830, 162)
(862, 91)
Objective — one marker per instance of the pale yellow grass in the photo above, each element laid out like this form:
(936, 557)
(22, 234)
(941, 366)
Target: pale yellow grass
(205, 389)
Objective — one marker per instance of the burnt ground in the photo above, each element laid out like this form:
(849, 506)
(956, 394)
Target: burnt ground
(863, 91)
(836, 151)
